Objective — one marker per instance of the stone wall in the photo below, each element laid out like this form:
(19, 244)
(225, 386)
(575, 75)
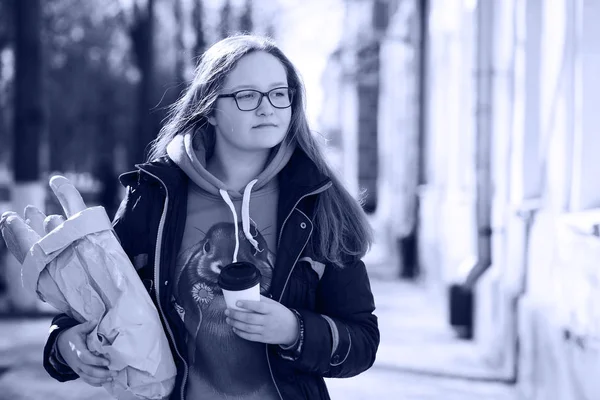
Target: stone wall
(560, 317)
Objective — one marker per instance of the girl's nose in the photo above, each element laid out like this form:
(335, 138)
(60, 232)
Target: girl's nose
(265, 107)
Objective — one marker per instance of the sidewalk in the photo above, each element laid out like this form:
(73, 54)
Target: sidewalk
(418, 357)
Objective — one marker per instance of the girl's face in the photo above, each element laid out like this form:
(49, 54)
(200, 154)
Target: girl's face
(259, 129)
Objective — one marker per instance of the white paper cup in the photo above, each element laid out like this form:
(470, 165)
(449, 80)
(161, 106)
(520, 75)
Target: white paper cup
(240, 281)
(232, 296)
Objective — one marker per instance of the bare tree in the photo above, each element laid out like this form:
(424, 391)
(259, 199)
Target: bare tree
(200, 45)
(142, 35)
(6, 23)
(179, 43)
(225, 23)
(29, 124)
(246, 22)
(30, 119)
(6, 40)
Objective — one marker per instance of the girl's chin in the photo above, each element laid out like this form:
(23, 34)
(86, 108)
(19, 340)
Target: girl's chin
(266, 142)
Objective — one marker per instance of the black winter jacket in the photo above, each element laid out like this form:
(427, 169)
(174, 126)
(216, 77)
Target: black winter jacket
(341, 334)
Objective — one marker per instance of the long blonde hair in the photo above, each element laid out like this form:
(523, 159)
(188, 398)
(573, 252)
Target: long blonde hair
(343, 233)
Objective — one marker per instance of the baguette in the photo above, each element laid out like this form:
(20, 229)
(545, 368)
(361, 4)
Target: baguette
(52, 222)
(35, 219)
(69, 197)
(19, 236)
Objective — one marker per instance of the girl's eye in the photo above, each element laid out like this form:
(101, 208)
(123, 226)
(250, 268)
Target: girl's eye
(246, 96)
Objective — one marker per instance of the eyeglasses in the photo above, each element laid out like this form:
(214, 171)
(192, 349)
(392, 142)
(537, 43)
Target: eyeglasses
(249, 100)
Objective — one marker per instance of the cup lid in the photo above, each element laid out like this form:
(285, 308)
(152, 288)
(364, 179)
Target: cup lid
(239, 275)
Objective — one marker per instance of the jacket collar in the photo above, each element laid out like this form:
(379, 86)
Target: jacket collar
(298, 178)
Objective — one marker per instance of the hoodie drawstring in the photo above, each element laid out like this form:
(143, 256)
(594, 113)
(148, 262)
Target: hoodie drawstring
(245, 217)
(246, 214)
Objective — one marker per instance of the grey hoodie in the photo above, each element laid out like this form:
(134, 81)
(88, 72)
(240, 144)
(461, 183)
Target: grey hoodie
(223, 226)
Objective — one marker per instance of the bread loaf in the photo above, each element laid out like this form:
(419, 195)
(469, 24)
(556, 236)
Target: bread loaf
(52, 222)
(68, 196)
(19, 236)
(35, 219)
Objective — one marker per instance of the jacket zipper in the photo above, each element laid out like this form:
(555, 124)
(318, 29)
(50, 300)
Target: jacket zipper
(157, 279)
(319, 190)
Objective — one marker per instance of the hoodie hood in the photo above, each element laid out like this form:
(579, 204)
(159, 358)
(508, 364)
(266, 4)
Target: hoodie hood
(190, 156)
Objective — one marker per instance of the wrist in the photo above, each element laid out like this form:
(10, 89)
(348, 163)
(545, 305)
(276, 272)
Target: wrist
(293, 352)
(56, 349)
(295, 332)
(55, 354)
(293, 338)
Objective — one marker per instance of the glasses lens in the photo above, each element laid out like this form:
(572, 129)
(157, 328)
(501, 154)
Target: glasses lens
(280, 97)
(247, 99)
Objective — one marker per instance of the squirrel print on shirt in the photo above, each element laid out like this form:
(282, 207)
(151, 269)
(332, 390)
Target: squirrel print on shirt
(201, 304)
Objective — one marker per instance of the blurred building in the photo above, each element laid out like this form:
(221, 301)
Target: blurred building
(371, 118)
(491, 161)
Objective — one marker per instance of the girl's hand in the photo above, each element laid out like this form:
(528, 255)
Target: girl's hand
(72, 347)
(266, 321)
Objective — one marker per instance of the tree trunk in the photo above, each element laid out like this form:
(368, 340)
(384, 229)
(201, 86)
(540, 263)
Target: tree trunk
(104, 163)
(409, 246)
(6, 39)
(29, 125)
(29, 107)
(246, 21)
(200, 45)
(225, 23)
(142, 35)
(180, 45)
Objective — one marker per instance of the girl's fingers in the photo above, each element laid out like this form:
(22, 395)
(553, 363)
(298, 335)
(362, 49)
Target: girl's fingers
(88, 358)
(248, 317)
(91, 380)
(97, 372)
(253, 337)
(260, 307)
(87, 326)
(249, 328)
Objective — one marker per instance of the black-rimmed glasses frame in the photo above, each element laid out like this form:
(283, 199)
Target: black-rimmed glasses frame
(291, 92)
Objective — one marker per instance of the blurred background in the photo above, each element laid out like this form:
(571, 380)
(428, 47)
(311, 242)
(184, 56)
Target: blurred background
(471, 125)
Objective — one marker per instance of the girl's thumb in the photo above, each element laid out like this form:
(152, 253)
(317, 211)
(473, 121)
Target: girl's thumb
(89, 326)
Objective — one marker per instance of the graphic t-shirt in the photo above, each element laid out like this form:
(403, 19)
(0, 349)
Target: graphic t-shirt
(223, 365)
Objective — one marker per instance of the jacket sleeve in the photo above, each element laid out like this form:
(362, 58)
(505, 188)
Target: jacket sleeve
(52, 362)
(341, 337)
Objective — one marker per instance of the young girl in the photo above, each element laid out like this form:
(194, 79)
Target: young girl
(236, 175)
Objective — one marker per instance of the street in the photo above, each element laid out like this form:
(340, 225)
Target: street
(418, 358)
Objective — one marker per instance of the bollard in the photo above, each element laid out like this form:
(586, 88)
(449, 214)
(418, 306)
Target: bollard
(461, 310)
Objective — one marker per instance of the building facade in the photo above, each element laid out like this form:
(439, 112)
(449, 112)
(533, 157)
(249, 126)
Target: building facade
(500, 179)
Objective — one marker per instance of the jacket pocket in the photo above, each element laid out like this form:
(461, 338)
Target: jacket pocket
(303, 284)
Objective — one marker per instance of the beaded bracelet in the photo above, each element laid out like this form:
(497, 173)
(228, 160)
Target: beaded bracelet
(293, 353)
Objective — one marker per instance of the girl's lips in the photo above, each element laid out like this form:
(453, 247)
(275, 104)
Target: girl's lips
(265, 126)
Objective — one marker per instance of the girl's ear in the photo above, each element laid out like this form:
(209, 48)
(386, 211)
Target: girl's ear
(212, 120)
